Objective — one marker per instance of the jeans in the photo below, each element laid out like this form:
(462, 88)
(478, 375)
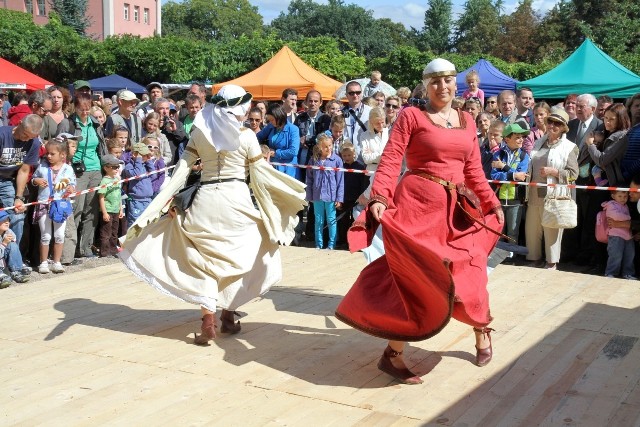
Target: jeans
(7, 198)
(135, 207)
(512, 218)
(319, 210)
(13, 257)
(621, 253)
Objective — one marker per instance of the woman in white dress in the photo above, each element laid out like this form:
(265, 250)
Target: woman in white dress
(221, 251)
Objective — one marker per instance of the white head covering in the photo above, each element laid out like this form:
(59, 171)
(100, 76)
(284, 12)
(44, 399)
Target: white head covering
(437, 68)
(217, 120)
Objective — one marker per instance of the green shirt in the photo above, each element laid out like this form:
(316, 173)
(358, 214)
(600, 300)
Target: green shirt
(112, 195)
(88, 147)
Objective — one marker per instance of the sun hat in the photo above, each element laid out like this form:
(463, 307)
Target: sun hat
(141, 148)
(514, 128)
(78, 84)
(127, 95)
(559, 115)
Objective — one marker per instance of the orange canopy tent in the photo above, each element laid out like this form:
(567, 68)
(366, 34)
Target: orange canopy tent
(14, 77)
(284, 70)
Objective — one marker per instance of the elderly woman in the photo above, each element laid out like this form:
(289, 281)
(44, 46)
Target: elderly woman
(282, 137)
(228, 255)
(554, 160)
(541, 111)
(85, 208)
(435, 265)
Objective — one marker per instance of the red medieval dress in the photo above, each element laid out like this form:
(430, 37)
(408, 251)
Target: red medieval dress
(435, 262)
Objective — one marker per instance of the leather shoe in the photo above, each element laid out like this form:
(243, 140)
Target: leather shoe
(484, 355)
(229, 325)
(403, 375)
(208, 330)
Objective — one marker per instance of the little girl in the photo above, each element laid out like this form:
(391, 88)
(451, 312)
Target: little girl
(473, 81)
(325, 189)
(151, 127)
(158, 163)
(114, 147)
(121, 134)
(63, 181)
(620, 246)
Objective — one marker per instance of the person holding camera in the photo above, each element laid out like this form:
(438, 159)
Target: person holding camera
(86, 165)
(172, 129)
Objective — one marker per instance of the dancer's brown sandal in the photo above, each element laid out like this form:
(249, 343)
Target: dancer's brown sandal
(229, 324)
(208, 330)
(401, 374)
(484, 355)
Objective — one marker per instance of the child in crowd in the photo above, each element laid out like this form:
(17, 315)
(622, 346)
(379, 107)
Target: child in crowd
(158, 163)
(473, 81)
(121, 134)
(510, 163)
(193, 105)
(70, 230)
(333, 108)
(115, 149)
(354, 185)
(10, 256)
(491, 145)
(140, 190)
(336, 132)
(457, 103)
(110, 200)
(325, 189)
(373, 86)
(620, 246)
(151, 127)
(599, 177)
(55, 179)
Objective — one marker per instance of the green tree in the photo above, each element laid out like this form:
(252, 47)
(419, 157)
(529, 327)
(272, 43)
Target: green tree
(351, 23)
(478, 27)
(617, 29)
(323, 54)
(518, 40)
(73, 13)
(560, 32)
(210, 19)
(436, 33)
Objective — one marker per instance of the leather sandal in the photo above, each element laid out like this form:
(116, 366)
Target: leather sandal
(229, 324)
(484, 355)
(208, 330)
(403, 375)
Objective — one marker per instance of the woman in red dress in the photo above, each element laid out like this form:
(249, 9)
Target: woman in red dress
(435, 262)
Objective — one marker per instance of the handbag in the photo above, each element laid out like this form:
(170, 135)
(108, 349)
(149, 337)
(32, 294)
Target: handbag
(184, 198)
(59, 209)
(560, 210)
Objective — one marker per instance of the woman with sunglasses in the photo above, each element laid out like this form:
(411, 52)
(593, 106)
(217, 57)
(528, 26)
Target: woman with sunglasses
(554, 160)
(391, 109)
(435, 261)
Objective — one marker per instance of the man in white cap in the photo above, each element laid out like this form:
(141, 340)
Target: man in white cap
(125, 117)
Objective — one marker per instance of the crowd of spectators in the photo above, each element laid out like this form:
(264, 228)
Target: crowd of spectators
(518, 139)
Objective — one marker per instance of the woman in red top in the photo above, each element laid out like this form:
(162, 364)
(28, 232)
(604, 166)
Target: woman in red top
(435, 265)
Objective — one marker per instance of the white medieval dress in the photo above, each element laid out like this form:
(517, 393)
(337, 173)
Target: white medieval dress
(223, 251)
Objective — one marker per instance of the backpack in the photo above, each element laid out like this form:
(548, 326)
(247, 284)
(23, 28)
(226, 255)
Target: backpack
(602, 229)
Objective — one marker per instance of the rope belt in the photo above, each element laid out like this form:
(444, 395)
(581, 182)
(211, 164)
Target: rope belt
(221, 180)
(471, 198)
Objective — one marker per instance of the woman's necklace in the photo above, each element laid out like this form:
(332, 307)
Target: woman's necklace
(446, 119)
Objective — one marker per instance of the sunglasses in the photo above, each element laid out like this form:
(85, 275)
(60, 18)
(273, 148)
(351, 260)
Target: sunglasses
(114, 167)
(255, 120)
(394, 106)
(152, 147)
(491, 102)
(354, 92)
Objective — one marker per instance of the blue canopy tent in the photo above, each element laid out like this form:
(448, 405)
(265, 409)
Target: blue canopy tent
(114, 83)
(492, 80)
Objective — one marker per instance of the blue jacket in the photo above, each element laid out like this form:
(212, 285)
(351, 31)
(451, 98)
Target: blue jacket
(285, 143)
(327, 185)
(139, 189)
(515, 161)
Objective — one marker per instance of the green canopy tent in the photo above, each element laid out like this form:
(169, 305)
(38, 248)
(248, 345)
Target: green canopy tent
(587, 70)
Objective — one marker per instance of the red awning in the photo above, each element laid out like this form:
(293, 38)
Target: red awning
(14, 77)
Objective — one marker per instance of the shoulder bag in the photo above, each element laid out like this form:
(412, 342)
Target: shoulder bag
(560, 210)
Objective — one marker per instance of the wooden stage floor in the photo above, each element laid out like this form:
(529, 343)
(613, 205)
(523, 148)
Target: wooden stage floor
(99, 347)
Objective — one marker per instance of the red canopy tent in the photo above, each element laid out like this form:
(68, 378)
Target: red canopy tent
(14, 77)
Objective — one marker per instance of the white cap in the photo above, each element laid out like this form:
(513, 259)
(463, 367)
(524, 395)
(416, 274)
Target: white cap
(127, 95)
(439, 67)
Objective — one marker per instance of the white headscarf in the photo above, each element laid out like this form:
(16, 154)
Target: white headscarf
(218, 121)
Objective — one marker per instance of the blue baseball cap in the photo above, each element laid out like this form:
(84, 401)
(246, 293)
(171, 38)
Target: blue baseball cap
(4, 216)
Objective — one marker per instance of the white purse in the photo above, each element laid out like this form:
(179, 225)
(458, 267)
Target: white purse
(560, 210)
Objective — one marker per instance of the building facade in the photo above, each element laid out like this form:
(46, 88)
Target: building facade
(107, 17)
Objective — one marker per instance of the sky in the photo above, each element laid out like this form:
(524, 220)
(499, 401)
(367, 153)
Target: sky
(410, 13)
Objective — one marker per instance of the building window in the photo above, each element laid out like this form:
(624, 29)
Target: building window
(136, 14)
(126, 11)
(146, 15)
(41, 10)
(28, 6)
